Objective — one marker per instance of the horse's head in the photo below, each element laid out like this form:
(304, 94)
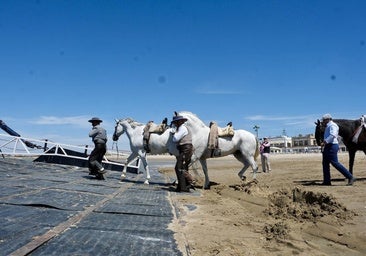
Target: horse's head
(193, 120)
(118, 130)
(319, 132)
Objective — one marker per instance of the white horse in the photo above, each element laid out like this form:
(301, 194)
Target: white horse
(158, 143)
(243, 145)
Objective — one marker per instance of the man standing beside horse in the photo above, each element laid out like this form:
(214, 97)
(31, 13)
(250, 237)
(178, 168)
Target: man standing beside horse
(99, 137)
(330, 152)
(183, 138)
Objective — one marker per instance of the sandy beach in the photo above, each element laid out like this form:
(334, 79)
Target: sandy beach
(284, 212)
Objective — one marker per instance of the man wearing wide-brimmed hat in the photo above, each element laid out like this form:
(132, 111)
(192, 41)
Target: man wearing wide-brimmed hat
(330, 152)
(99, 137)
(183, 138)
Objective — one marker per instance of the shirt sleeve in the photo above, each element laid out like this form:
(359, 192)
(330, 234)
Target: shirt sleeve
(333, 134)
(182, 131)
(93, 132)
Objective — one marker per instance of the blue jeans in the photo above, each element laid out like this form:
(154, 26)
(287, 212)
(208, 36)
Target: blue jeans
(330, 156)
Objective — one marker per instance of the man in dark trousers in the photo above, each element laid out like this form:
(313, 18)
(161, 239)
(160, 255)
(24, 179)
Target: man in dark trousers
(99, 137)
(183, 138)
(330, 152)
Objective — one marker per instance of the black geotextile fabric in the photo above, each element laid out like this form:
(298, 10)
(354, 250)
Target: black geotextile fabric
(98, 242)
(140, 201)
(19, 224)
(132, 220)
(115, 234)
(66, 200)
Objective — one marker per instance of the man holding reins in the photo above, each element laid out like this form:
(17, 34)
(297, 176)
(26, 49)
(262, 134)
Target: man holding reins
(183, 138)
(330, 152)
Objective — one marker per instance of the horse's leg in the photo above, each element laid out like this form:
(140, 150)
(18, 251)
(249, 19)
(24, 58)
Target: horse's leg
(146, 167)
(239, 156)
(129, 159)
(351, 154)
(364, 151)
(247, 162)
(205, 171)
(242, 171)
(254, 166)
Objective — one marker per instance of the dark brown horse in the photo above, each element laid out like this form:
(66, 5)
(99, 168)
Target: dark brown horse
(347, 130)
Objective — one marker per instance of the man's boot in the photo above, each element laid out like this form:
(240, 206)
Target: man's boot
(182, 185)
(188, 179)
(146, 146)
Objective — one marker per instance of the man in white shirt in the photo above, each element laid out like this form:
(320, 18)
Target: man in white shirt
(183, 138)
(330, 152)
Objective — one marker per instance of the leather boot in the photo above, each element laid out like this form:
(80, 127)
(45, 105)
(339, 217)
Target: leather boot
(182, 186)
(188, 179)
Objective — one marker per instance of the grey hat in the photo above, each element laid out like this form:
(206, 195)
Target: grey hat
(327, 117)
(178, 118)
(95, 120)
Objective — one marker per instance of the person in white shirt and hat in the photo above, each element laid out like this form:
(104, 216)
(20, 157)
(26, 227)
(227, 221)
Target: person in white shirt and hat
(99, 137)
(330, 152)
(183, 138)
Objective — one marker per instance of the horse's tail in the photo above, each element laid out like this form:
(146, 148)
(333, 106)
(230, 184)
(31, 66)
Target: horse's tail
(256, 154)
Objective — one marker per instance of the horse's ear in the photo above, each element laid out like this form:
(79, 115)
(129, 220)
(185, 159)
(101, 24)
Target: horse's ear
(116, 120)
(175, 113)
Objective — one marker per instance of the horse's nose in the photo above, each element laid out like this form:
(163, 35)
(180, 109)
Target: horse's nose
(114, 138)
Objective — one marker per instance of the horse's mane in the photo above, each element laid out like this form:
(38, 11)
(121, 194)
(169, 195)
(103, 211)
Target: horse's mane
(132, 122)
(192, 117)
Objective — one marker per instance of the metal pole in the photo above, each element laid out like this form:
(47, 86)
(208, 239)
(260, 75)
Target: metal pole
(256, 128)
(86, 150)
(45, 145)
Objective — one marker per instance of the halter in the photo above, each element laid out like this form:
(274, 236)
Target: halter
(321, 128)
(115, 137)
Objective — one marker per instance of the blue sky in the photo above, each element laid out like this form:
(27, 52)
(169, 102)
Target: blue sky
(276, 64)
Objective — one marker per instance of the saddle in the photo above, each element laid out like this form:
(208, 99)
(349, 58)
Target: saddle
(228, 131)
(215, 133)
(151, 127)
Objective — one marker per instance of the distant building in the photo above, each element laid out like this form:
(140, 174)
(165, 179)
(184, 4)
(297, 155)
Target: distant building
(280, 144)
(304, 144)
(297, 144)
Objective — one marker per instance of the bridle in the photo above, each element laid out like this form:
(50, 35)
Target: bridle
(115, 137)
(320, 128)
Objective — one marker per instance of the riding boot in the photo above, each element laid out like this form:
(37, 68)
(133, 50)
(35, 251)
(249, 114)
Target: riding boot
(146, 145)
(182, 185)
(99, 176)
(92, 171)
(188, 179)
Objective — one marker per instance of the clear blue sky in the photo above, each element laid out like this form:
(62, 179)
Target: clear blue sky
(276, 64)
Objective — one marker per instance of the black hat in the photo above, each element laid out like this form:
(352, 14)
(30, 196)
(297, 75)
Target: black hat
(178, 118)
(95, 120)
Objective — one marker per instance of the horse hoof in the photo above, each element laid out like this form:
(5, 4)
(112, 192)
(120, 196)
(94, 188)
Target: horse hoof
(243, 178)
(146, 182)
